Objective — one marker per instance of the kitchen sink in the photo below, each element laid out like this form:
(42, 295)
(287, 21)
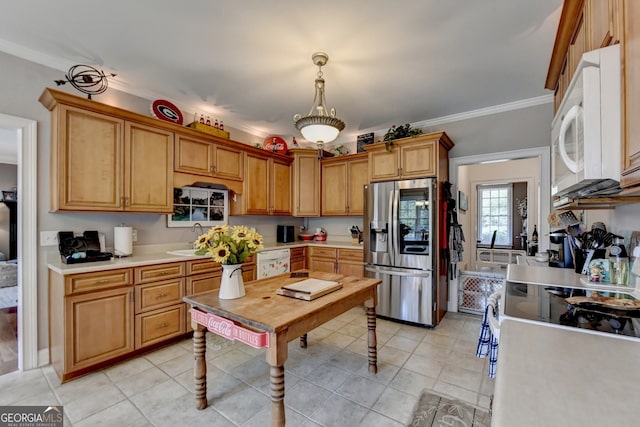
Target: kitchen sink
(184, 252)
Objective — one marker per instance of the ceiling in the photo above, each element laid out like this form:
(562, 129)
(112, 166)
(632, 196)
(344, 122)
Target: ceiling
(249, 63)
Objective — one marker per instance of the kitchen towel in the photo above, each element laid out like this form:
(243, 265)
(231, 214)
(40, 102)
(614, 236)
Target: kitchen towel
(487, 342)
(123, 241)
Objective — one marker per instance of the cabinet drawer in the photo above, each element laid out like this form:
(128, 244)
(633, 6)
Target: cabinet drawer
(160, 294)
(315, 251)
(99, 280)
(160, 325)
(350, 254)
(152, 273)
(298, 252)
(201, 283)
(206, 265)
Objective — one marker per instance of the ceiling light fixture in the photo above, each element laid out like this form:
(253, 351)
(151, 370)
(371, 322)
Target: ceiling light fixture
(321, 125)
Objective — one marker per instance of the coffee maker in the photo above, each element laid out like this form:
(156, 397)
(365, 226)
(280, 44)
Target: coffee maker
(559, 250)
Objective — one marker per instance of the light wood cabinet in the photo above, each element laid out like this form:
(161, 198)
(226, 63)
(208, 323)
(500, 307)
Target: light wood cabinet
(350, 262)
(630, 179)
(418, 157)
(343, 181)
(305, 182)
(101, 162)
(100, 327)
(267, 186)
(298, 258)
(585, 25)
(199, 156)
(91, 319)
(336, 260)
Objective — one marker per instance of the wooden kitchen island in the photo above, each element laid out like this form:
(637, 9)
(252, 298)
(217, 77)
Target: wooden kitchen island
(263, 318)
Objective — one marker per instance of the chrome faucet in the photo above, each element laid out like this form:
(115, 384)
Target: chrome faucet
(197, 225)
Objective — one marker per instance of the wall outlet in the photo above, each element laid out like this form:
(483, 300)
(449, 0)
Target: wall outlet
(134, 235)
(48, 238)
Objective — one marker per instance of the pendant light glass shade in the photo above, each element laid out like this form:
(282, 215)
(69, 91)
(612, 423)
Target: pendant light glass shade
(321, 124)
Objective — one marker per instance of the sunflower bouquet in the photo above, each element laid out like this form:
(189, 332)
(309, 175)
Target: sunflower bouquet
(229, 245)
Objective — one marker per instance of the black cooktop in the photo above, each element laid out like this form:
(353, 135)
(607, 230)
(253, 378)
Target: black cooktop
(549, 304)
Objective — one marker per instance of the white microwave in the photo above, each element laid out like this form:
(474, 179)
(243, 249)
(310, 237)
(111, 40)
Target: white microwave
(585, 133)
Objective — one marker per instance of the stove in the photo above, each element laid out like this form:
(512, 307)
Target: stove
(592, 310)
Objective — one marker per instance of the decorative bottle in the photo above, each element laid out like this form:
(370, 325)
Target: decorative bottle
(619, 261)
(221, 125)
(201, 118)
(216, 125)
(534, 235)
(208, 123)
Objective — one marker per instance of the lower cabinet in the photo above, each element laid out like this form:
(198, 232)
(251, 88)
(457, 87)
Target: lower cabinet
(100, 317)
(298, 258)
(349, 262)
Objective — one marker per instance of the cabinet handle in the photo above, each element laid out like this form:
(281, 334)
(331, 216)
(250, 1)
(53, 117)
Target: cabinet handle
(126, 202)
(102, 281)
(162, 295)
(162, 325)
(163, 273)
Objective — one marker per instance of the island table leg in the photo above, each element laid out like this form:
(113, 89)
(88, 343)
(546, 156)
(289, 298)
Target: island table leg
(371, 340)
(277, 396)
(200, 365)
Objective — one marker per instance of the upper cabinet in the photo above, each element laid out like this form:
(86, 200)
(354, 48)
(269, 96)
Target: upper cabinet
(343, 181)
(417, 157)
(584, 25)
(100, 162)
(630, 99)
(305, 182)
(267, 186)
(201, 157)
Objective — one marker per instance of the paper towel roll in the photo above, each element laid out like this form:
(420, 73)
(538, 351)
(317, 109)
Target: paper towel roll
(123, 241)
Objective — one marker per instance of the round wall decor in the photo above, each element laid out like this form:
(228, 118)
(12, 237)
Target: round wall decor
(165, 110)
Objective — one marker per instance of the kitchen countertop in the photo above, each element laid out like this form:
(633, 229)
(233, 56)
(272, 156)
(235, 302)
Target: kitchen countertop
(161, 257)
(556, 377)
(549, 375)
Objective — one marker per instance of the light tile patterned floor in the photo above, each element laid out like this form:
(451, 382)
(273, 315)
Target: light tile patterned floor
(327, 384)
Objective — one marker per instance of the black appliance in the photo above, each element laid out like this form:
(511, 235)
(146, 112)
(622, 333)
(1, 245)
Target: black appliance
(77, 249)
(560, 250)
(285, 234)
(549, 304)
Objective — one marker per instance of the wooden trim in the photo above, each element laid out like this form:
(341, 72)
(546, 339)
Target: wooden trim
(570, 13)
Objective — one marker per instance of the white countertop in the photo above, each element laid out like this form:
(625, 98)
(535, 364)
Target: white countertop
(556, 377)
(164, 257)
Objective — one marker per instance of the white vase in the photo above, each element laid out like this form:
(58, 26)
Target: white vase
(231, 285)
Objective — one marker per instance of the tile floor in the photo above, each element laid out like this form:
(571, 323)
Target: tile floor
(327, 384)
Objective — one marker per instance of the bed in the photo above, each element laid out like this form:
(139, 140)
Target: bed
(8, 284)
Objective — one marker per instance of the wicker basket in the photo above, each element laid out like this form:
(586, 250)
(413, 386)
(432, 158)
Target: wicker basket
(474, 287)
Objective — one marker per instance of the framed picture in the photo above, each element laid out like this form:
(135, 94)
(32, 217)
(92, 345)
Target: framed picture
(462, 201)
(364, 139)
(9, 196)
(206, 206)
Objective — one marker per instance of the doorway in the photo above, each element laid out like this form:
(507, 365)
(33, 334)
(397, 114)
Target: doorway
(26, 251)
(543, 193)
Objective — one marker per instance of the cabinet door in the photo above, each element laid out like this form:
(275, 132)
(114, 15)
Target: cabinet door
(322, 264)
(383, 165)
(280, 187)
(99, 327)
(148, 169)
(249, 272)
(306, 185)
(631, 88)
(88, 159)
(578, 44)
(418, 160)
(257, 185)
(160, 325)
(228, 163)
(193, 156)
(351, 268)
(358, 178)
(334, 189)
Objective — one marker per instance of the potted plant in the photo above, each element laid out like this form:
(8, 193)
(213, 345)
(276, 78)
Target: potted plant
(397, 132)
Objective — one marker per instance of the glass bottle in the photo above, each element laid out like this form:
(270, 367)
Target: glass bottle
(208, 122)
(619, 261)
(534, 235)
(221, 125)
(202, 118)
(216, 125)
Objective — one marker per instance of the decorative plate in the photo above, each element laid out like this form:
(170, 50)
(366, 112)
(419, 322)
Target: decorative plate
(275, 144)
(165, 110)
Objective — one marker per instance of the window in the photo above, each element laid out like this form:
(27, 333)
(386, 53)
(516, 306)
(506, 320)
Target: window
(192, 205)
(495, 214)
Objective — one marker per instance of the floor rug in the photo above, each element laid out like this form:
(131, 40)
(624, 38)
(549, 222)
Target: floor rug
(436, 410)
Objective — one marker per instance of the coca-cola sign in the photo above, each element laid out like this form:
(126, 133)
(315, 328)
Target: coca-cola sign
(275, 144)
(227, 329)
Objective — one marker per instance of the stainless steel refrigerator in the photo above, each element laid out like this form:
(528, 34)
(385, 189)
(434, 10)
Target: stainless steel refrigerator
(400, 248)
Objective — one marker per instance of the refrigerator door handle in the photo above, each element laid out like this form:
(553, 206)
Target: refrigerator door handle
(398, 272)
